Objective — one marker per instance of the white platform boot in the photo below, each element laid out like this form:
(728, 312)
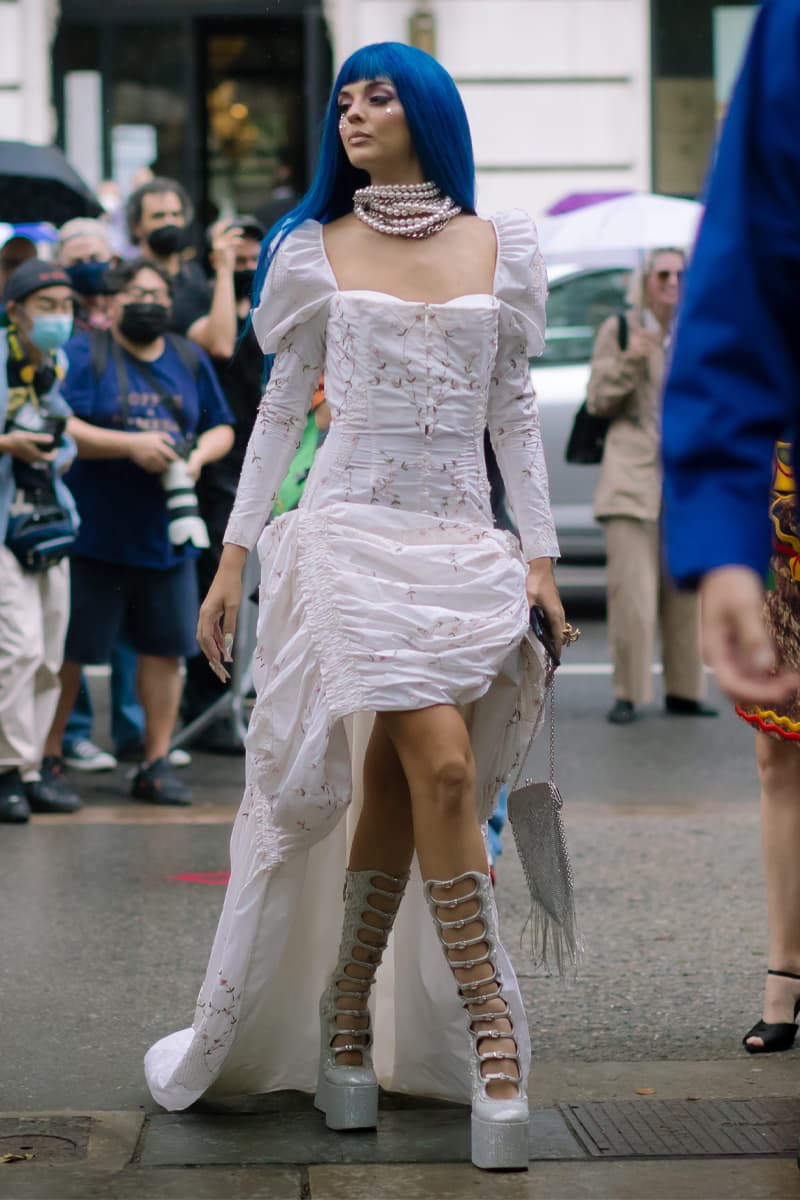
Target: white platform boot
(499, 1126)
(348, 1094)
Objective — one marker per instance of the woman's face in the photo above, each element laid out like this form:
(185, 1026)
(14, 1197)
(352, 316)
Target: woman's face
(374, 133)
(664, 279)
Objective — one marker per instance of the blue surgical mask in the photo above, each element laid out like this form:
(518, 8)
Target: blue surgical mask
(51, 331)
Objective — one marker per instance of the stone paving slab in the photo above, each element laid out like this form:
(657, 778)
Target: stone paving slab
(25, 1182)
(101, 1140)
(776, 1179)
(404, 1136)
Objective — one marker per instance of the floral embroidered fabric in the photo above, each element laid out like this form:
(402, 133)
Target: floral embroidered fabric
(388, 588)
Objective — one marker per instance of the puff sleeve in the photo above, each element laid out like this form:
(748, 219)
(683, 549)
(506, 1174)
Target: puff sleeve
(290, 322)
(512, 413)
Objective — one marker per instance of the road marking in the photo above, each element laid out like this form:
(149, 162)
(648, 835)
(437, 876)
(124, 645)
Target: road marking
(566, 669)
(140, 814)
(606, 669)
(213, 878)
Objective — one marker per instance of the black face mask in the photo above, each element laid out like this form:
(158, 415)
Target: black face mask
(243, 283)
(168, 239)
(141, 323)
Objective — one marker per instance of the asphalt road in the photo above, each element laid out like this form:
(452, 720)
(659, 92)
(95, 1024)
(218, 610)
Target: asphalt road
(104, 945)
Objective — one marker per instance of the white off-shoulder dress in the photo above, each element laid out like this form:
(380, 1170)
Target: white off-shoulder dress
(388, 589)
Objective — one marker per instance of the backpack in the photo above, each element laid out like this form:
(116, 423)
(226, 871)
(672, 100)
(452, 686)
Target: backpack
(587, 438)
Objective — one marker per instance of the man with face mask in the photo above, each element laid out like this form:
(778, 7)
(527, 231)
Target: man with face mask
(83, 249)
(34, 597)
(142, 409)
(159, 214)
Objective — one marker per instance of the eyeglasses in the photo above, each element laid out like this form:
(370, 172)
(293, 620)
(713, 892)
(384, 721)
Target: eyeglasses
(157, 295)
(663, 276)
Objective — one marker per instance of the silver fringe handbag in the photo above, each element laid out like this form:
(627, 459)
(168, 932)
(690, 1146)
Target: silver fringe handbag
(535, 813)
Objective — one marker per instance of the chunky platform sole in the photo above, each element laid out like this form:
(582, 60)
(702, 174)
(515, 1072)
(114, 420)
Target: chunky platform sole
(347, 1106)
(500, 1146)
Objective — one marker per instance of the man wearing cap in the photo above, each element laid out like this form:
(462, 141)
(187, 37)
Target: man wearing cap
(34, 594)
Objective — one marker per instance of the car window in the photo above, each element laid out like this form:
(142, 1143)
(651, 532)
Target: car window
(576, 308)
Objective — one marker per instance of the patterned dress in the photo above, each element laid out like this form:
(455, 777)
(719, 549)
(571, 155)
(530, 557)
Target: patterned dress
(387, 589)
(782, 607)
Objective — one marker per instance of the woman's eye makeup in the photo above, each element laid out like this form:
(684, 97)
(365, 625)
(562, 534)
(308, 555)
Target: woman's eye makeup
(377, 99)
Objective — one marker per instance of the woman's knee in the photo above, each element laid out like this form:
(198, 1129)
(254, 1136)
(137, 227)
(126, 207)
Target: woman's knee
(451, 775)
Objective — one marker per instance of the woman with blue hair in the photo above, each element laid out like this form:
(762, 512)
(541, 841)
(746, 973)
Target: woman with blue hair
(392, 664)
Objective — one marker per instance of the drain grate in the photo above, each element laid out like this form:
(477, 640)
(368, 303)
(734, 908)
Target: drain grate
(45, 1139)
(690, 1128)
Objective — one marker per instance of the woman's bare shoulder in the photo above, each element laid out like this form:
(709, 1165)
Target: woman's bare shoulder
(342, 228)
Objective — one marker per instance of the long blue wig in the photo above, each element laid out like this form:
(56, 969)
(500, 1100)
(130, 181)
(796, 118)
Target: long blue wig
(439, 131)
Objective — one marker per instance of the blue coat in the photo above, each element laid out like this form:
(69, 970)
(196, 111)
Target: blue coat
(734, 383)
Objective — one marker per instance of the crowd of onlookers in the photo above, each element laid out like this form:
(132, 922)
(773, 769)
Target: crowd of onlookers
(129, 383)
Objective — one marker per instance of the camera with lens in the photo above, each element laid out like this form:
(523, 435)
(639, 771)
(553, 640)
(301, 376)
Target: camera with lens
(29, 418)
(185, 523)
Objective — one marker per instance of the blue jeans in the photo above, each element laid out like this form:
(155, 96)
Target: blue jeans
(496, 822)
(127, 718)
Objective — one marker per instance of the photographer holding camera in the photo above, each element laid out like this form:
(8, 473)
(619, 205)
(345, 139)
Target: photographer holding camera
(38, 524)
(149, 415)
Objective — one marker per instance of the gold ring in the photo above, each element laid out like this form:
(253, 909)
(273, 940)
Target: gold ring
(570, 635)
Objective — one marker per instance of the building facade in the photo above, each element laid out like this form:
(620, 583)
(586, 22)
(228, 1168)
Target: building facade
(557, 91)
(27, 28)
(562, 95)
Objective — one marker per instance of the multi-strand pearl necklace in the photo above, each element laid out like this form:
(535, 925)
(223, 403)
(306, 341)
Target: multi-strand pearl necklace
(412, 210)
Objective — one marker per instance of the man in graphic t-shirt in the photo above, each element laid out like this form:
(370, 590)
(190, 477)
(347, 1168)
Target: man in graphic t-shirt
(149, 416)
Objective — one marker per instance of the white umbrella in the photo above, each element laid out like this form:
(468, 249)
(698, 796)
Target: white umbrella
(618, 232)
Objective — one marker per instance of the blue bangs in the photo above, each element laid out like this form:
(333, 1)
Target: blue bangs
(439, 131)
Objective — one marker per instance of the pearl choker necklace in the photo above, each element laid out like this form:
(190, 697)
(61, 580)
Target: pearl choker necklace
(412, 210)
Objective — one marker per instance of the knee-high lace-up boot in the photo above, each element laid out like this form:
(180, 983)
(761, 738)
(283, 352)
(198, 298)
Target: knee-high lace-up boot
(347, 1088)
(467, 928)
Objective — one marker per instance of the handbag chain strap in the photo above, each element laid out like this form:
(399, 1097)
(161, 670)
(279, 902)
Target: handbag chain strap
(549, 699)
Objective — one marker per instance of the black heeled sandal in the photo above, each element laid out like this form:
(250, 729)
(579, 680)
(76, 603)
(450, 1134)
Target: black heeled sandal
(779, 1035)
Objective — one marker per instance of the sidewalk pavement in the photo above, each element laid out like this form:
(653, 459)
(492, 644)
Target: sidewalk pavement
(640, 1089)
(277, 1148)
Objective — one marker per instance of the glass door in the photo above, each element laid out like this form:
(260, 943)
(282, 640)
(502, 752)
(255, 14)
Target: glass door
(252, 75)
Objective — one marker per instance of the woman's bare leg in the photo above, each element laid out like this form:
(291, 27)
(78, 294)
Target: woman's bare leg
(779, 772)
(383, 843)
(384, 835)
(434, 748)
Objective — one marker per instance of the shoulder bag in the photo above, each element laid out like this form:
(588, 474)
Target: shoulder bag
(587, 438)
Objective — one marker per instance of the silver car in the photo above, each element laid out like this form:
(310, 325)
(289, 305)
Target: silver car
(580, 300)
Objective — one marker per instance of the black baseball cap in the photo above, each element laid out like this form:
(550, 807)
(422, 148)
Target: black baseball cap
(34, 276)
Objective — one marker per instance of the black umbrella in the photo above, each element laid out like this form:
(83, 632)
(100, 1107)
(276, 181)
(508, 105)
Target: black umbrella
(38, 184)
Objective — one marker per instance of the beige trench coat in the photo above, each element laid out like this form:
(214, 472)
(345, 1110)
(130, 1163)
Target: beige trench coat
(629, 391)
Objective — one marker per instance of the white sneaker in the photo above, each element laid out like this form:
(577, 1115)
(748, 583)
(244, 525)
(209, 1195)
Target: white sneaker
(83, 755)
(179, 758)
